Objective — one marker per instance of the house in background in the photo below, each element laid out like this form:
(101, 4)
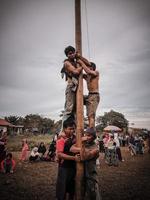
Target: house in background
(6, 126)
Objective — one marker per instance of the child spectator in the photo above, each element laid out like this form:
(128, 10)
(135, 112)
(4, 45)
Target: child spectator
(8, 164)
(25, 149)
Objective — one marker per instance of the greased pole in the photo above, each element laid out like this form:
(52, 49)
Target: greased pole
(79, 102)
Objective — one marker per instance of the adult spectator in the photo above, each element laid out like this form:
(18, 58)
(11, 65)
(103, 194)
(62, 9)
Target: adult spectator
(118, 149)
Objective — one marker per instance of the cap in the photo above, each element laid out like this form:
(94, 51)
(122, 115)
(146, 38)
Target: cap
(91, 131)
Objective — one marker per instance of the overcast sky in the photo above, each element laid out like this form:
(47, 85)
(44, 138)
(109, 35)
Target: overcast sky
(116, 36)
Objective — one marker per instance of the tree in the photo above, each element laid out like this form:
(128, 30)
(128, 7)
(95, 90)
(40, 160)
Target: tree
(47, 125)
(38, 123)
(57, 126)
(32, 121)
(112, 118)
(12, 119)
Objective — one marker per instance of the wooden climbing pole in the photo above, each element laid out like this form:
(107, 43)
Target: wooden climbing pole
(79, 100)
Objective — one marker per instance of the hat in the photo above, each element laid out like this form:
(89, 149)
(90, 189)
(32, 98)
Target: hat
(91, 131)
(35, 149)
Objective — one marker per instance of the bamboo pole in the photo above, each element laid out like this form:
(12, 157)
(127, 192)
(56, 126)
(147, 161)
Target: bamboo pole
(79, 100)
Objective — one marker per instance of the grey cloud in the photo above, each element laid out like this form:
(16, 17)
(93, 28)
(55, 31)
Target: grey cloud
(140, 57)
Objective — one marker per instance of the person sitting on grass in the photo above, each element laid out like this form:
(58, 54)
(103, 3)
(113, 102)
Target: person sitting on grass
(34, 156)
(52, 150)
(42, 150)
(8, 164)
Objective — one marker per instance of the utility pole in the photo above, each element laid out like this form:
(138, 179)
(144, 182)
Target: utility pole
(79, 102)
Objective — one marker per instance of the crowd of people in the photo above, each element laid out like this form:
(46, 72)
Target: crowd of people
(136, 145)
(110, 144)
(38, 153)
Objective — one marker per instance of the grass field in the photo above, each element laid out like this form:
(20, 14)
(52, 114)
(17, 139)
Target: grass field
(15, 142)
(37, 181)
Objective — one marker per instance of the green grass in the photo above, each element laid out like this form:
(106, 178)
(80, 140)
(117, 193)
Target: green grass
(14, 143)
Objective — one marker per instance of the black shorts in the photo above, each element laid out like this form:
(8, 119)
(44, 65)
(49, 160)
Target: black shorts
(65, 182)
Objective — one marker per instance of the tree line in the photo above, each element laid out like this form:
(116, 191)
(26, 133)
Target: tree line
(36, 122)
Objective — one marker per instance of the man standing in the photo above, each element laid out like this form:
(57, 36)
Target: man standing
(67, 166)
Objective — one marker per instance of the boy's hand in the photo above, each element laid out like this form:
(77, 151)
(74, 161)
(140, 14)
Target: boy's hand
(77, 55)
(80, 62)
(77, 158)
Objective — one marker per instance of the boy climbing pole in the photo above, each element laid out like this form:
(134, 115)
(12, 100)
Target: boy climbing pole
(92, 80)
(72, 70)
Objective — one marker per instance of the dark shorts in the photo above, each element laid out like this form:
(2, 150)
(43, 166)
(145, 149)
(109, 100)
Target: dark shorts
(65, 182)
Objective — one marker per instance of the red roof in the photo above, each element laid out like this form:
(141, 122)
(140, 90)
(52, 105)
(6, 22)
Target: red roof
(3, 122)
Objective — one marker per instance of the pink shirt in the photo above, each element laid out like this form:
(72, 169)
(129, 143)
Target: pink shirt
(25, 147)
(24, 152)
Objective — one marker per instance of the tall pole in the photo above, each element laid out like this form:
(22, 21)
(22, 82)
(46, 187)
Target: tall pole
(79, 100)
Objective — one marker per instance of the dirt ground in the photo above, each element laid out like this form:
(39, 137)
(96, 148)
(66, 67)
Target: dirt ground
(36, 181)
